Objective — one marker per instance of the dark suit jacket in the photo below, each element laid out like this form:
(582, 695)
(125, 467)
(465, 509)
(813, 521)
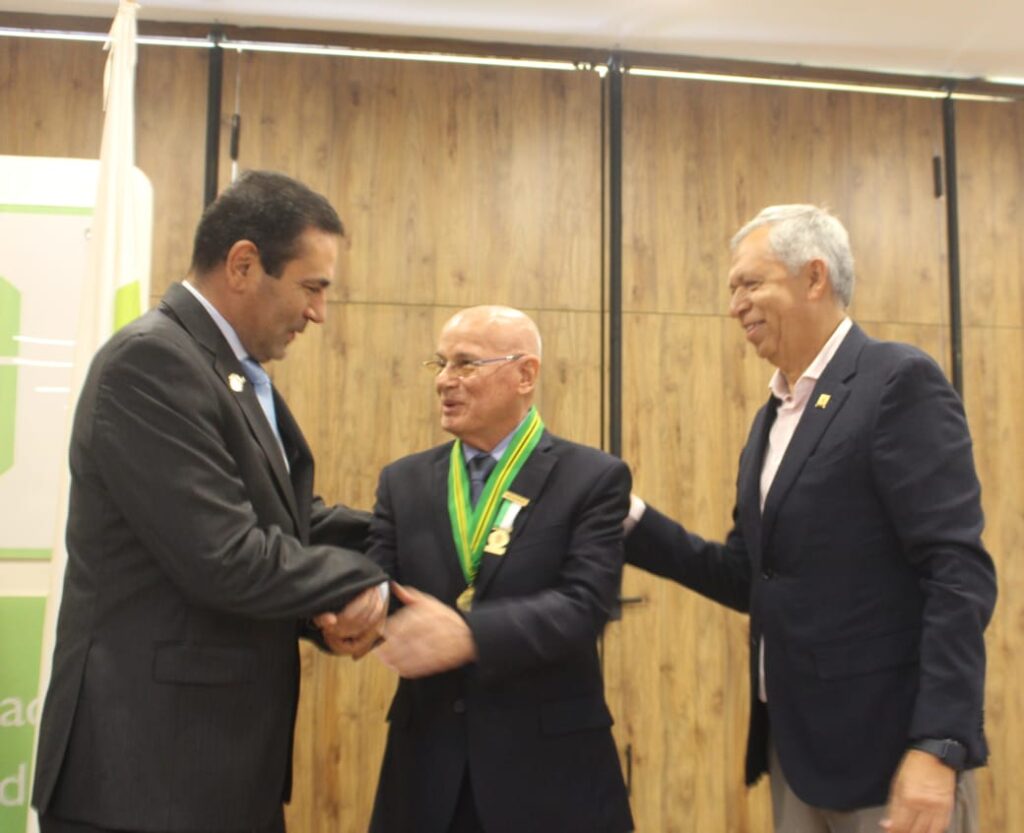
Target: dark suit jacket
(529, 719)
(175, 674)
(866, 576)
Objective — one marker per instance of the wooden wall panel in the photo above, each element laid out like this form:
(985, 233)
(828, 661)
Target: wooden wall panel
(457, 185)
(700, 159)
(675, 666)
(53, 106)
(170, 148)
(990, 144)
(464, 185)
(706, 156)
(52, 102)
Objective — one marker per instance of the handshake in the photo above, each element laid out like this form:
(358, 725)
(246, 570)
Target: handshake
(425, 636)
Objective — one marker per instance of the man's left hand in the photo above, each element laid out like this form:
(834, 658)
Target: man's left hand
(425, 637)
(922, 795)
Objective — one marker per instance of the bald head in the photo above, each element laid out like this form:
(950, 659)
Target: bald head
(508, 330)
(499, 350)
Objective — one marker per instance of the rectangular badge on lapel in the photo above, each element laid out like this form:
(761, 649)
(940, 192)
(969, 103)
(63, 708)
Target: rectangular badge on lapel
(823, 401)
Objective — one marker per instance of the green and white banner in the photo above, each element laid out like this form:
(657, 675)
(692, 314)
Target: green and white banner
(21, 632)
(45, 212)
(46, 222)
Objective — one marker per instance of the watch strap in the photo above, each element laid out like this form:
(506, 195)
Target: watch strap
(951, 752)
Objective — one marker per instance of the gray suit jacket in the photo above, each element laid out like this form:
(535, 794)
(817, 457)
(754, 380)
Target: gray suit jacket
(190, 567)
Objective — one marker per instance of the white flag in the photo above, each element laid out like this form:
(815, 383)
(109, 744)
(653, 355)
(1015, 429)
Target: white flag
(116, 285)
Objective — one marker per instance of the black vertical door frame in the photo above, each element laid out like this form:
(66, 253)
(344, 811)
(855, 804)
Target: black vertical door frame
(956, 333)
(612, 118)
(214, 85)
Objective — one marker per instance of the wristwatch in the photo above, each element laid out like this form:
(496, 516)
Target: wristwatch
(951, 752)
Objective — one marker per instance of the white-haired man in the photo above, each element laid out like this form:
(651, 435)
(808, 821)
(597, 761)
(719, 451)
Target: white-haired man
(507, 544)
(856, 549)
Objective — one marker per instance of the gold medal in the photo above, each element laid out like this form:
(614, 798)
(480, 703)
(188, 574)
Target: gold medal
(497, 541)
(465, 600)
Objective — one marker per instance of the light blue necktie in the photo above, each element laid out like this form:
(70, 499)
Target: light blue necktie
(265, 395)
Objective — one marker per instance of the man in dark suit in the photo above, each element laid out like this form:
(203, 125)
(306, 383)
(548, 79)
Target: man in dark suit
(196, 550)
(499, 723)
(856, 549)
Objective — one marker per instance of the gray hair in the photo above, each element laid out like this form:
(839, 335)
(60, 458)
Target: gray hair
(801, 233)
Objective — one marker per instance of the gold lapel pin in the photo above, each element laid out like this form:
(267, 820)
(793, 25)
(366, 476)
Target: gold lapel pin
(236, 382)
(823, 401)
(497, 541)
(512, 497)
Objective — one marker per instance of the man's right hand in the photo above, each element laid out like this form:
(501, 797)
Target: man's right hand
(356, 629)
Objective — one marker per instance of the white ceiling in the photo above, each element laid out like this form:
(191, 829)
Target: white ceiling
(954, 38)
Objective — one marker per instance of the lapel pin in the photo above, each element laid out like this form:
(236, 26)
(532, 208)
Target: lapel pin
(823, 401)
(236, 382)
(512, 497)
(497, 541)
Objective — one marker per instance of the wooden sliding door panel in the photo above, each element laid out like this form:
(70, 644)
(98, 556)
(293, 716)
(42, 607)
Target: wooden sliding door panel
(990, 145)
(458, 184)
(676, 664)
(53, 98)
(702, 158)
(170, 148)
(994, 369)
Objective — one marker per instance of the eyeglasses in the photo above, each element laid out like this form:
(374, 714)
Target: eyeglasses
(464, 368)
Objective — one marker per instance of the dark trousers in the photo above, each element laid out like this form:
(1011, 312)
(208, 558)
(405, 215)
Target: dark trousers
(51, 824)
(465, 819)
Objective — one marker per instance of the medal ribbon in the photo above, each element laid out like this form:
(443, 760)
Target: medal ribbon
(469, 525)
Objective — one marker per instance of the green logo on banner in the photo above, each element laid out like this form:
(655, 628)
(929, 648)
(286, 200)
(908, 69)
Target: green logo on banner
(10, 321)
(127, 304)
(21, 640)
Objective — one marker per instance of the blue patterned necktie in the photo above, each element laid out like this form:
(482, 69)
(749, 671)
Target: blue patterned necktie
(260, 381)
(479, 468)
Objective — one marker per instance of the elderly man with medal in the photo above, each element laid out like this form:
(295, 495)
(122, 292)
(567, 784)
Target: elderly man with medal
(505, 550)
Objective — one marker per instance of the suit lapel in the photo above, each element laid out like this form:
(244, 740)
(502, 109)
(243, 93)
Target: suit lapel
(447, 553)
(300, 465)
(749, 497)
(529, 483)
(826, 400)
(190, 313)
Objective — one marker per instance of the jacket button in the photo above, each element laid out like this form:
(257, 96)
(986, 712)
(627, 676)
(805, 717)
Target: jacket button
(459, 707)
(767, 573)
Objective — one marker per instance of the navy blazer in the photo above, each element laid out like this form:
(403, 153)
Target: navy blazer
(176, 669)
(865, 576)
(529, 718)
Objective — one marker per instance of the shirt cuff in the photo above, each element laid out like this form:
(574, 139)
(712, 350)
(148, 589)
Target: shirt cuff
(636, 511)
